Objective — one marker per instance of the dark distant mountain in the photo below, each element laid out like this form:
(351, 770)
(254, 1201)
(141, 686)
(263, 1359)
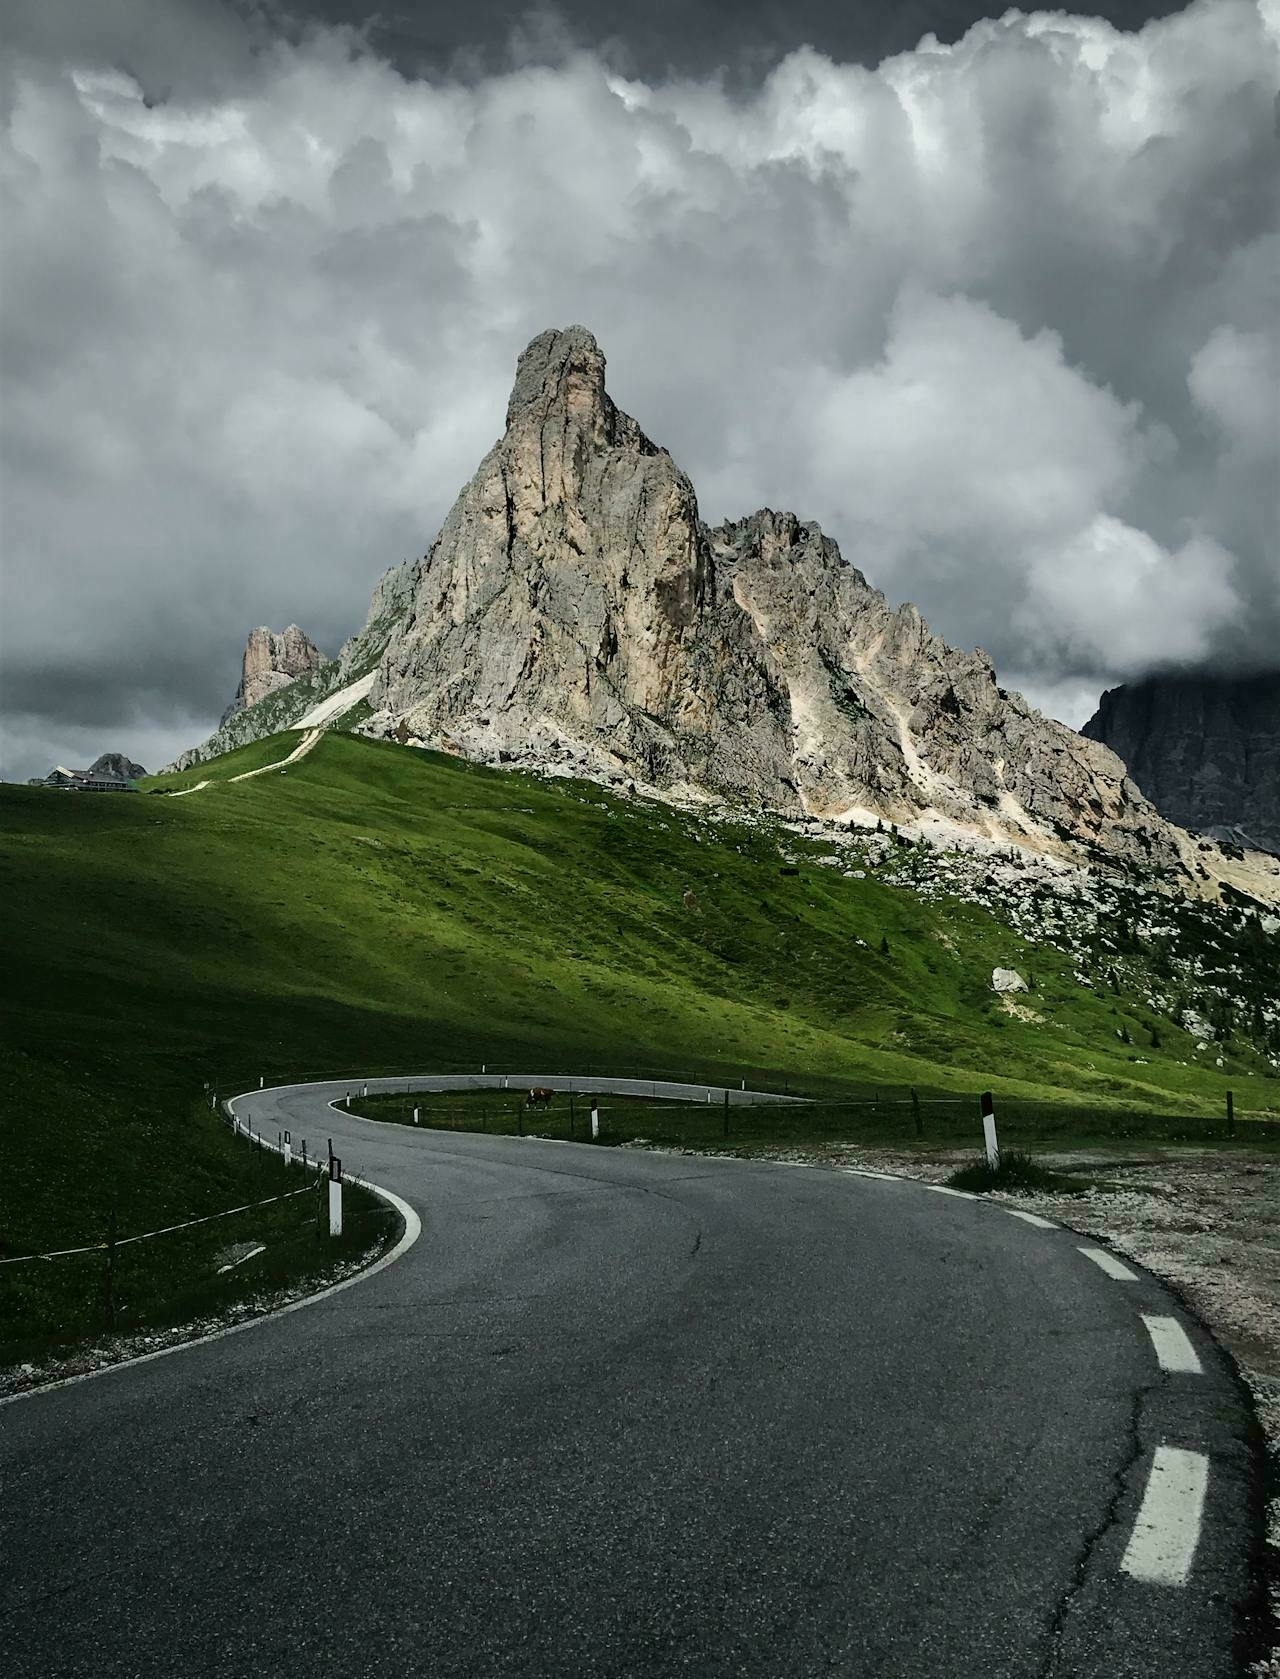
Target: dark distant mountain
(1204, 749)
(117, 763)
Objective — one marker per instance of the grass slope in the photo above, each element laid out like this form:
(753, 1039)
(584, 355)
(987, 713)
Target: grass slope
(378, 907)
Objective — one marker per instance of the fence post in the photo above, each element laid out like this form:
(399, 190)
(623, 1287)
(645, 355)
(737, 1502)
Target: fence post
(573, 1114)
(726, 1113)
(288, 1148)
(989, 1129)
(595, 1120)
(416, 1112)
(1231, 1115)
(915, 1109)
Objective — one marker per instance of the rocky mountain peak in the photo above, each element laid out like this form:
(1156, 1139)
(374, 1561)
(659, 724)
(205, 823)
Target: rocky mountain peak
(561, 371)
(271, 662)
(575, 613)
(575, 609)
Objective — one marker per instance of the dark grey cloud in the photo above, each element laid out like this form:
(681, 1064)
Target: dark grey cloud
(996, 312)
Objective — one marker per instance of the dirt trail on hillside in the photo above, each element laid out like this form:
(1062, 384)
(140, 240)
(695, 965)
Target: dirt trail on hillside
(308, 742)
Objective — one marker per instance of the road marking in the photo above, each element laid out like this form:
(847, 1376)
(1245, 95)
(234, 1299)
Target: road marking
(943, 1189)
(884, 1177)
(1032, 1218)
(1162, 1547)
(1110, 1264)
(1173, 1348)
(252, 1254)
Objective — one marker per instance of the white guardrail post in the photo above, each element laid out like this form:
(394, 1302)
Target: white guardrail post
(335, 1195)
(989, 1129)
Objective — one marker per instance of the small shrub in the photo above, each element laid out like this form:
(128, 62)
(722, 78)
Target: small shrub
(1016, 1171)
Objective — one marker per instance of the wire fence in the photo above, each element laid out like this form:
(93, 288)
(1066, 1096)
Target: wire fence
(1088, 1111)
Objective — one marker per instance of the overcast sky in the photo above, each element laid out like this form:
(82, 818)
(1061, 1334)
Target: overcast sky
(996, 304)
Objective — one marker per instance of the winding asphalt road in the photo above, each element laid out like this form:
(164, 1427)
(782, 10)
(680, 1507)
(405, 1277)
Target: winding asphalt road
(619, 1414)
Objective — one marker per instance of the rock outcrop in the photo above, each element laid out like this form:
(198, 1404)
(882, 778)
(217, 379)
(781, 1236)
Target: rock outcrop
(1204, 749)
(575, 608)
(272, 662)
(284, 705)
(117, 763)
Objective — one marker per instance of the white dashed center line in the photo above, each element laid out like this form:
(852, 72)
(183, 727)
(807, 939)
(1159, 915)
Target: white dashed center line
(1110, 1264)
(1163, 1544)
(1173, 1348)
(1032, 1218)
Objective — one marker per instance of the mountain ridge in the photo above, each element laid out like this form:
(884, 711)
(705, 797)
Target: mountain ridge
(575, 613)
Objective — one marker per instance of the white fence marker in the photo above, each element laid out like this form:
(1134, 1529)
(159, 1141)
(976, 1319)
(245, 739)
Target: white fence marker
(595, 1120)
(989, 1129)
(335, 1196)
(261, 1081)
(364, 1090)
(416, 1112)
(348, 1098)
(288, 1148)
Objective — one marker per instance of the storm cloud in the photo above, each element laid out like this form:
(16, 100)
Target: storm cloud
(998, 313)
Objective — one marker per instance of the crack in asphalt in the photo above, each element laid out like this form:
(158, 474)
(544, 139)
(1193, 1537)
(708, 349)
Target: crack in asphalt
(1084, 1558)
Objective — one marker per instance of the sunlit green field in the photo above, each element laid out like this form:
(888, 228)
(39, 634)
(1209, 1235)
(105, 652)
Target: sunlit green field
(379, 908)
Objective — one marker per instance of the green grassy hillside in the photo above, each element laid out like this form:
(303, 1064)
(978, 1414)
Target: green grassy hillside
(378, 907)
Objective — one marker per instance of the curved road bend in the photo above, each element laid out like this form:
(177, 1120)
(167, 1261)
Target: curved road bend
(619, 1414)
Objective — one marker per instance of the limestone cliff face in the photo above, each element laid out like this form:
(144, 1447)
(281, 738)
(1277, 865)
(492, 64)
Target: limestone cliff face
(272, 662)
(574, 607)
(1205, 750)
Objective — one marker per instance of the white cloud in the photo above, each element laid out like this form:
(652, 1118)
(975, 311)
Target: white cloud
(991, 312)
(1235, 378)
(1113, 598)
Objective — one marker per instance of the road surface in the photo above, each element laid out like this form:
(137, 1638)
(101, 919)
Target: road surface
(620, 1414)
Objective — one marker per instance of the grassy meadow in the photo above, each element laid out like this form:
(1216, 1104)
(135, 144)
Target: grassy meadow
(377, 908)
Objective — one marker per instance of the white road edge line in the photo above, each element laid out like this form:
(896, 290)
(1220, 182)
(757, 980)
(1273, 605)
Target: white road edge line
(945, 1189)
(1174, 1351)
(1032, 1218)
(252, 1254)
(1110, 1264)
(1162, 1547)
(412, 1230)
